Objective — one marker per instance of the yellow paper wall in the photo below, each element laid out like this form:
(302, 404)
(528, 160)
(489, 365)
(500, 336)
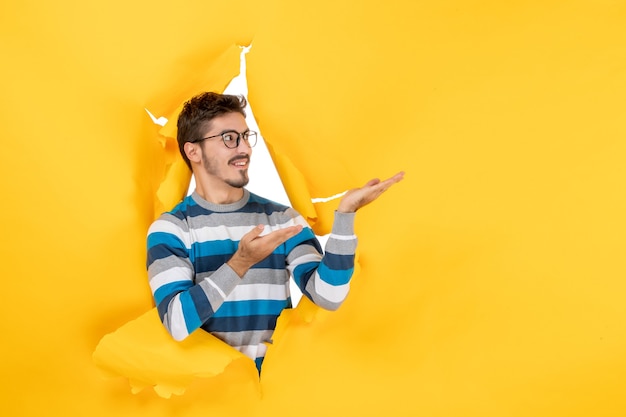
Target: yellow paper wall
(491, 279)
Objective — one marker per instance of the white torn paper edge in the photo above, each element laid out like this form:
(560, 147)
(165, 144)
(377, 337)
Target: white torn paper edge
(161, 121)
(327, 199)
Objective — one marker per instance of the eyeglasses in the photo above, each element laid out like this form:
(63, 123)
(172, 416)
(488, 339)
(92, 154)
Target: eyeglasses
(231, 138)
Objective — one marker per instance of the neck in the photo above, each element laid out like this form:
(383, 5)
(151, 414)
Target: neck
(218, 193)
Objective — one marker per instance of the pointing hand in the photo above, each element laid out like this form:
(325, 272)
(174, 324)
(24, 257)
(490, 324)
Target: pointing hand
(358, 197)
(253, 247)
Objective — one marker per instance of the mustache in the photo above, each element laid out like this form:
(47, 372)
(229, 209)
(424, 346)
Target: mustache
(239, 158)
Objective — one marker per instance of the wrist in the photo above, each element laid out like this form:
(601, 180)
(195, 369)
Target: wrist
(238, 265)
(344, 208)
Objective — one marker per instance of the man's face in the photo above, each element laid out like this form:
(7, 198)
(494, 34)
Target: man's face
(228, 165)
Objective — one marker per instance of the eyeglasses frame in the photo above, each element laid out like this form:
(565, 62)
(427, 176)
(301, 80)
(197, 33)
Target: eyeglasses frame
(237, 141)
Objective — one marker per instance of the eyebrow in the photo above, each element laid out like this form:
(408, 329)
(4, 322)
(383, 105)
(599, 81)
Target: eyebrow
(233, 130)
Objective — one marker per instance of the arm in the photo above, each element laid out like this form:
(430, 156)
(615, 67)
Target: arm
(326, 280)
(182, 305)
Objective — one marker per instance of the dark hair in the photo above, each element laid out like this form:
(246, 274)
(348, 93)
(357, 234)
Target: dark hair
(199, 111)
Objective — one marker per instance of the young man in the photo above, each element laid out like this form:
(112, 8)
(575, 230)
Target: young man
(222, 258)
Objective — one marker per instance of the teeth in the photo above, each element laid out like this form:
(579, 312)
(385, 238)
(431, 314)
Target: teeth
(240, 162)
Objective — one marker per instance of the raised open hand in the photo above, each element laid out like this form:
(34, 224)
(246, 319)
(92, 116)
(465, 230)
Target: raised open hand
(253, 247)
(356, 198)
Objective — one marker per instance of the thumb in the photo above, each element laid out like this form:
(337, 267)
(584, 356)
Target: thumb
(372, 182)
(254, 233)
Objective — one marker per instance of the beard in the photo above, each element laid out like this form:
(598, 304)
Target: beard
(241, 182)
(211, 168)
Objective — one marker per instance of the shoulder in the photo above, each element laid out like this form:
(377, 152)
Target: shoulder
(277, 214)
(260, 204)
(177, 217)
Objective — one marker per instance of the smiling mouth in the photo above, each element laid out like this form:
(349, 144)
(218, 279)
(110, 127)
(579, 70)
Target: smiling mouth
(240, 162)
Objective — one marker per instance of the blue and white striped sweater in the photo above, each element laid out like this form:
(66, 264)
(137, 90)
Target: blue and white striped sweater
(194, 288)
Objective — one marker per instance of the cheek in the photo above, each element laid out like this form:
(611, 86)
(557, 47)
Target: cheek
(215, 163)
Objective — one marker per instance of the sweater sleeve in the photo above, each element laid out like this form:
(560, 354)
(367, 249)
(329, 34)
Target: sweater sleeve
(182, 305)
(325, 278)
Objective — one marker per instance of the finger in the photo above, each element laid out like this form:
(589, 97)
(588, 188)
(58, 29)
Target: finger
(396, 178)
(372, 182)
(292, 231)
(385, 184)
(254, 233)
(282, 235)
(391, 181)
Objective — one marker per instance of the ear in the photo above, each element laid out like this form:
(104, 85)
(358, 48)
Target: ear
(193, 152)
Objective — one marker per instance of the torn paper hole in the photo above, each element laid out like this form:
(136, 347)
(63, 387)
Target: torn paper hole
(264, 178)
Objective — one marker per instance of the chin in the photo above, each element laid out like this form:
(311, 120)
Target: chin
(238, 184)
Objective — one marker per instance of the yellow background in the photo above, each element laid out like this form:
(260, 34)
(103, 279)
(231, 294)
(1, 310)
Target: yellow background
(491, 280)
